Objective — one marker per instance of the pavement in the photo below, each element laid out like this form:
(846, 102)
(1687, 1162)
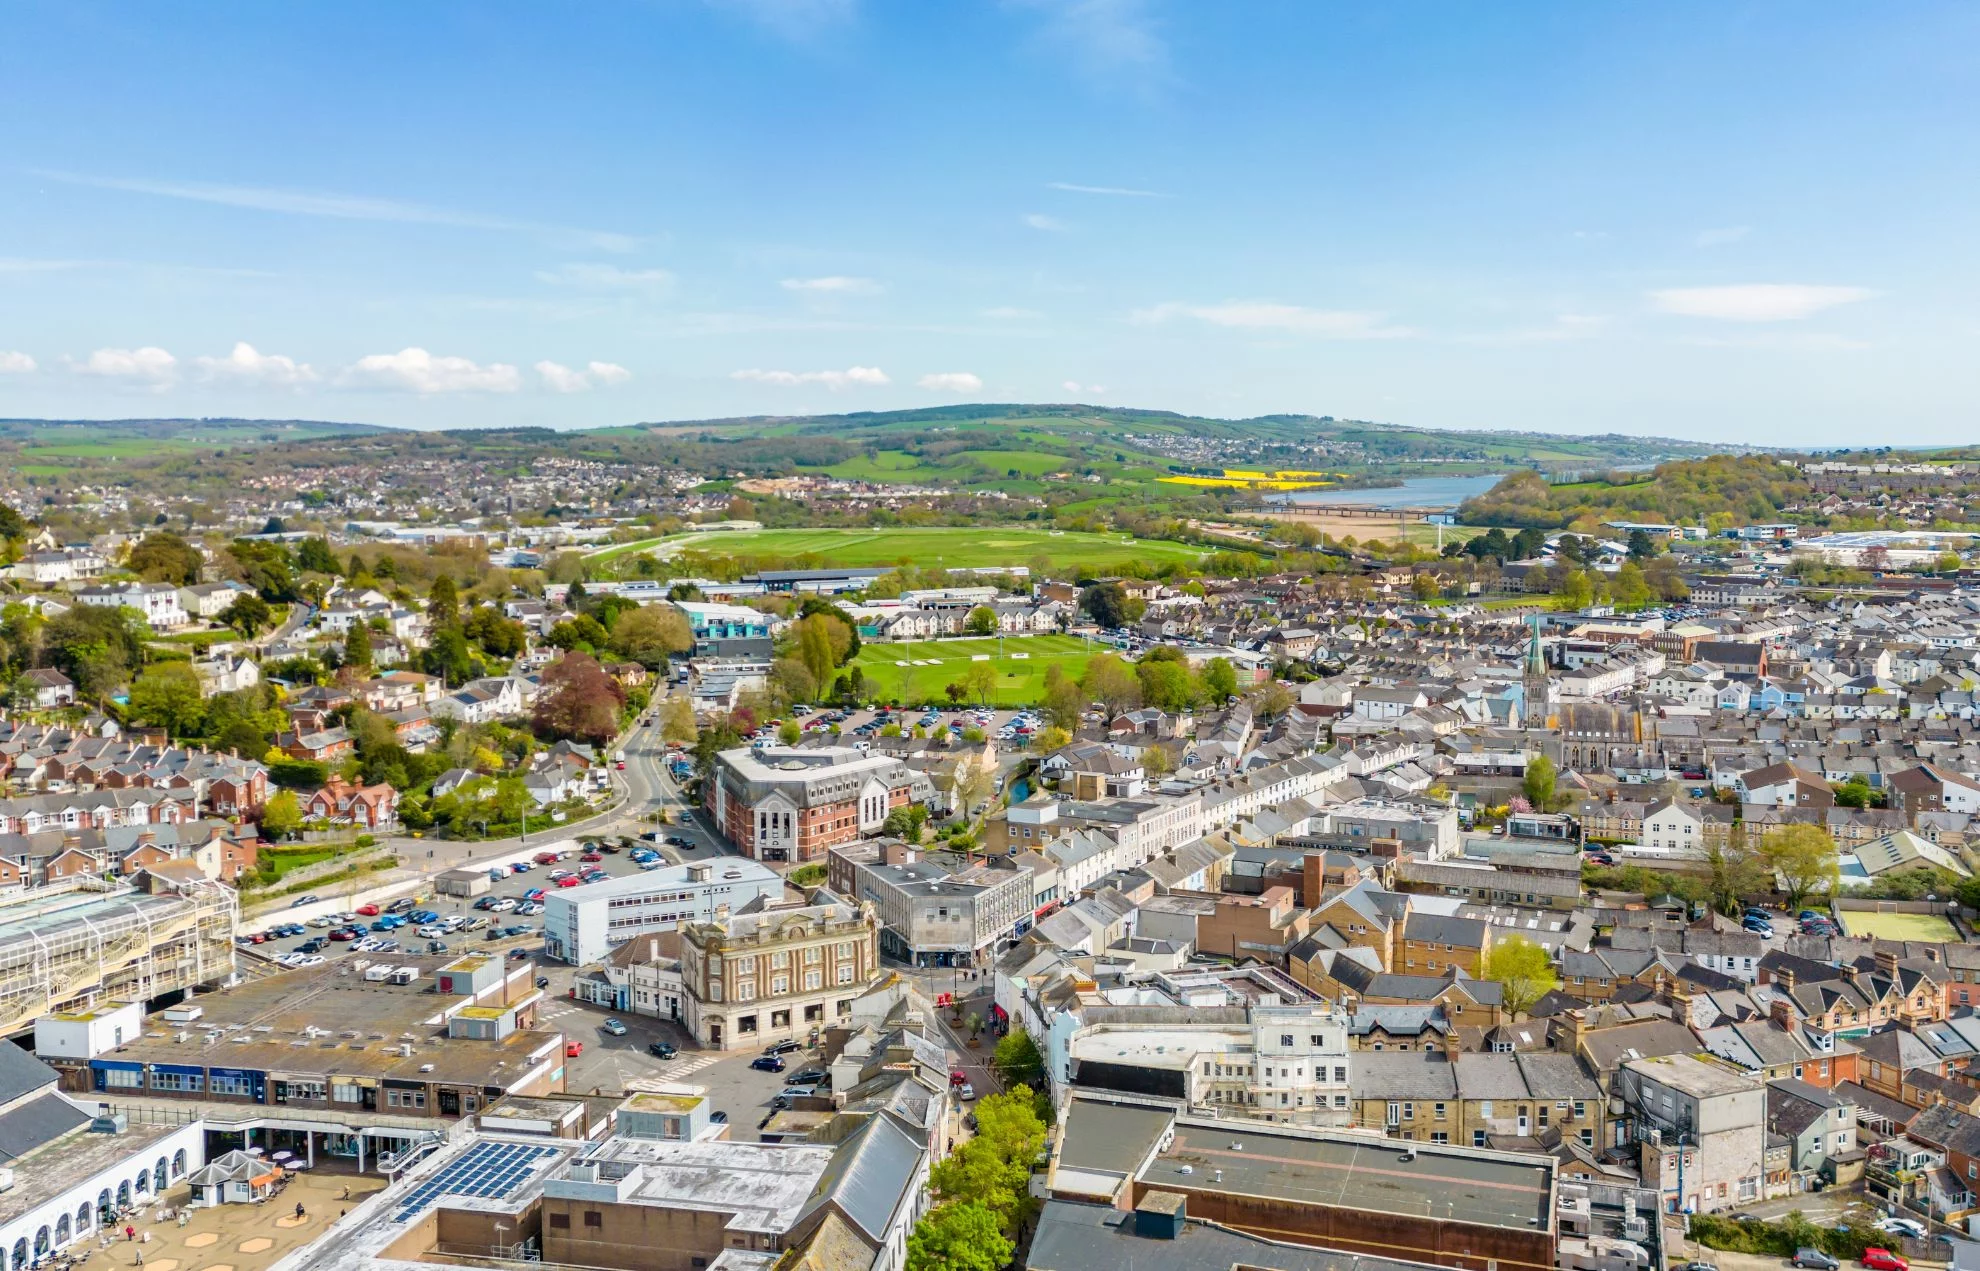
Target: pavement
(240, 1237)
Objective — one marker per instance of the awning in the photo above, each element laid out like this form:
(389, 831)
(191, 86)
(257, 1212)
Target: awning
(368, 1083)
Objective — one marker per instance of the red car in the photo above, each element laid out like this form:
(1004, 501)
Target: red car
(594, 857)
(534, 893)
(547, 858)
(569, 880)
(573, 1049)
(369, 911)
(1884, 1260)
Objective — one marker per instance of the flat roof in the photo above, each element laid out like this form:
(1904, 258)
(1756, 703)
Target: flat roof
(1073, 1236)
(1110, 1137)
(762, 1186)
(1157, 1047)
(1359, 1172)
(55, 1167)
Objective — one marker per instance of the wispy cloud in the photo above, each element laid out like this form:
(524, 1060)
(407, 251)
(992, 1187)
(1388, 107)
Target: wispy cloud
(1113, 42)
(596, 277)
(836, 284)
(951, 382)
(795, 20)
(559, 378)
(246, 365)
(1722, 236)
(851, 377)
(1266, 315)
(13, 362)
(1756, 302)
(1105, 189)
(1050, 224)
(414, 370)
(346, 207)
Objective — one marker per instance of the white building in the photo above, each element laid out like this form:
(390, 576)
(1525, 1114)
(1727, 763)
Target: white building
(158, 602)
(581, 924)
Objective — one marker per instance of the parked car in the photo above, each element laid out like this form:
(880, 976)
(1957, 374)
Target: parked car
(436, 946)
(767, 1063)
(570, 880)
(1884, 1260)
(809, 1077)
(401, 906)
(1815, 1260)
(782, 1048)
(1902, 1227)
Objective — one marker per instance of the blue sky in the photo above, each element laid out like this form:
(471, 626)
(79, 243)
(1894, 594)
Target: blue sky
(1731, 221)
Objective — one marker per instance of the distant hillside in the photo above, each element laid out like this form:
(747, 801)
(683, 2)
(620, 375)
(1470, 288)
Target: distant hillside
(1735, 489)
(231, 432)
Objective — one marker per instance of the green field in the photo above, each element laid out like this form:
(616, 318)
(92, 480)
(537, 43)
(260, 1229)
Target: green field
(936, 547)
(1923, 927)
(1020, 666)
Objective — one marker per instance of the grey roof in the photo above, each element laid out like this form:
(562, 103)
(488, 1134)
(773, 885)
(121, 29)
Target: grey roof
(868, 1176)
(21, 1073)
(39, 1121)
(1079, 1237)
(1404, 1074)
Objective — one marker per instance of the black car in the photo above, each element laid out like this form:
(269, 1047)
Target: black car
(718, 1118)
(809, 1077)
(782, 1048)
(767, 1063)
(543, 981)
(661, 1050)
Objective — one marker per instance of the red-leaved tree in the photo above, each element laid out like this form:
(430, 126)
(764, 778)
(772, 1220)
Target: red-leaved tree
(579, 701)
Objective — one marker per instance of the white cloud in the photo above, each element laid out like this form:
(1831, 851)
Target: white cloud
(951, 382)
(593, 277)
(1105, 189)
(12, 363)
(1720, 237)
(1011, 313)
(1050, 224)
(345, 207)
(559, 378)
(852, 376)
(149, 366)
(836, 283)
(246, 365)
(1092, 390)
(1756, 302)
(1266, 315)
(415, 370)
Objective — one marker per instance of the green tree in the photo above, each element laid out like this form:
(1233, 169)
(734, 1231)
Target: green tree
(789, 733)
(1522, 969)
(1219, 680)
(1632, 588)
(982, 621)
(357, 647)
(248, 614)
(281, 816)
(994, 1167)
(814, 646)
(443, 602)
(1803, 858)
(163, 557)
(580, 632)
(650, 634)
(1575, 591)
(1063, 702)
(1051, 738)
(677, 721)
(1018, 1061)
(1853, 793)
(963, 1236)
(167, 695)
(980, 680)
(313, 555)
(1539, 782)
(1109, 682)
(1425, 586)
(1165, 684)
(906, 822)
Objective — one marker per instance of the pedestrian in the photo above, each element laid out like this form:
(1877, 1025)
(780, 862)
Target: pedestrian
(346, 1193)
(299, 1211)
(130, 1232)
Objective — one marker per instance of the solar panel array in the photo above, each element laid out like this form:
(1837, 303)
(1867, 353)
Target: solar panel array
(487, 1170)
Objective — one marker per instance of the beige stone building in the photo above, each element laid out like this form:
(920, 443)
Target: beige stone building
(753, 979)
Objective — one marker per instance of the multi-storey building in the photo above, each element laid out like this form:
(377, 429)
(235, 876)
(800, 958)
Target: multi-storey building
(935, 910)
(1285, 1063)
(583, 924)
(1700, 1126)
(796, 805)
(775, 975)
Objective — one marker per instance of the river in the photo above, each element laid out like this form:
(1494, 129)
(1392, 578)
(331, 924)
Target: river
(1417, 492)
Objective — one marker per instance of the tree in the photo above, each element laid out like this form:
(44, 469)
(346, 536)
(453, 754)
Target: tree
(964, 1236)
(1539, 782)
(1641, 545)
(443, 602)
(905, 822)
(677, 721)
(1523, 971)
(994, 1167)
(1109, 682)
(1156, 761)
(1271, 700)
(982, 621)
(650, 634)
(167, 694)
(95, 646)
(1109, 605)
(1219, 679)
(313, 555)
(1736, 871)
(498, 636)
(1575, 591)
(1018, 1060)
(579, 701)
(248, 614)
(789, 733)
(1165, 684)
(814, 646)
(973, 782)
(281, 816)
(1853, 793)
(1803, 858)
(580, 631)
(1632, 587)
(1051, 738)
(1425, 585)
(357, 647)
(163, 557)
(1063, 702)
(980, 681)
(448, 657)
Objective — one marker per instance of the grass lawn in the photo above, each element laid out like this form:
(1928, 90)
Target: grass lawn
(1020, 670)
(1862, 922)
(946, 547)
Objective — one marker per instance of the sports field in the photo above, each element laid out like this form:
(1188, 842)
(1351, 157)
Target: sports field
(930, 547)
(1923, 927)
(920, 671)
